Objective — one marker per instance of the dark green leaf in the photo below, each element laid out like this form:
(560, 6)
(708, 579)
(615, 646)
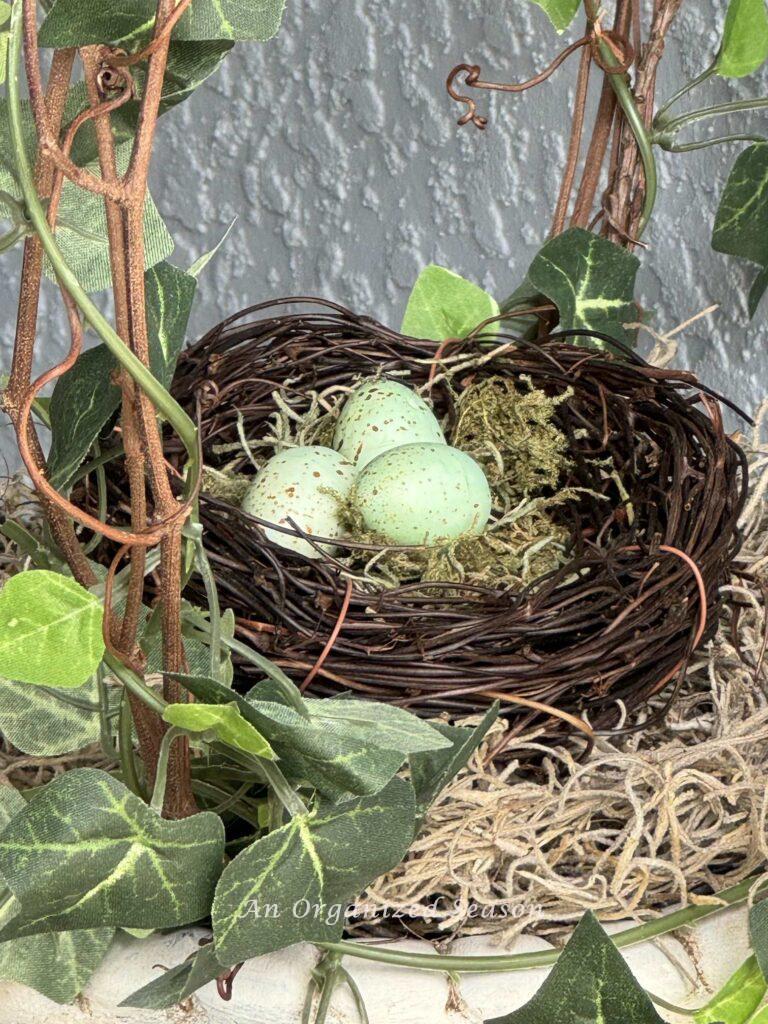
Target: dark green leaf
(741, 224)
(590, 983)
(590, 280)
(58, 965)
(560, 12)
(738, 999)
(334, 764)
(38, 722)
(383, 724)
(443, 305)
(43, 616)
(758, 932)
(86, 852)
(432, 771)
(85, 399)
(11, 802)
(80, 22)
(295, 884)
(745, 38)
(224, 721)
(757, 291)
(178, 983)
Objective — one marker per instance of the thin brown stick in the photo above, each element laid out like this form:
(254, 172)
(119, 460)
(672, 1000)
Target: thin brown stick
(574, 146)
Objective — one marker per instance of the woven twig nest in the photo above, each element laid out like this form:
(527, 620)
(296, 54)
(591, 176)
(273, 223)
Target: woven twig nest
(652, 530)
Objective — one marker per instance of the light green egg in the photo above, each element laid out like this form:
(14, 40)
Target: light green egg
(306, 485)
(380, 415)
(423, 494)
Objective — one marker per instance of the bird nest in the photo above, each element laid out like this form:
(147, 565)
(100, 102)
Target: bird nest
(654, 491)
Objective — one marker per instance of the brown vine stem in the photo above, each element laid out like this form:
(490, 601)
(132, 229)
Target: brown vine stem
(601, 132)
(149, 730)
(179, 798)
(574, 146)
(26, 326)
(626, 191)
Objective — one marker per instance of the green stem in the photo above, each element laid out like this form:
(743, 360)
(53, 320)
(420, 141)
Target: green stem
(690, 147)
(642, 138)
(229, 801)
(161, 774)
(719, 110)
(681, 1011)
(546, 958)
(143, 377)
(212, 596)
(105, 731)
(94, 464)
(135, 684)
(127, 757)
(688, 87)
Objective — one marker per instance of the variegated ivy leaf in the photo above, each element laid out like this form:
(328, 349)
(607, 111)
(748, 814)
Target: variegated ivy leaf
(741, 223)
(87, 852)
(590, 280)
(444, 305)
(58, 965)
(80, 22)
(384, 724)
(758, 933)
(39, 722)
(178, 983)
(745, 39)
(738, 999)
(560, 12)
(319, 860)
(224, 721)
(86, 397)
(590, 982)
(50, 630)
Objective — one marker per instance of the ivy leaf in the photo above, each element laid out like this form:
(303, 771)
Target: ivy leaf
(85, 398)
(560, 12)
(590, 982)
(758, 932)
(178, 983)
(432, 771)
(745, 39)
(37, 722)
(443, 305)
(741, 223)
(737, 999)
(319, 860)
(82, 22)
(58, 965)
(384, 724)
(50, 630)
(224, 721)
(86, 852)
(590, 280)
(334, 764)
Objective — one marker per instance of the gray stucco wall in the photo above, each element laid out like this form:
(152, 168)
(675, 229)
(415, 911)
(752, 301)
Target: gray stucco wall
(336, 148)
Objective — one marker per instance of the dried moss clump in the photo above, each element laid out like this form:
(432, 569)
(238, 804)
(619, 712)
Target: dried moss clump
(511, 434)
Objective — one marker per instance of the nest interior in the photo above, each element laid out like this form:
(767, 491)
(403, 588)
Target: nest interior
(652, 525)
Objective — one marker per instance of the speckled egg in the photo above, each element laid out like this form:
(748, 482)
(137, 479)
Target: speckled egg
(380, 415)
(423, 494)
(306, 485)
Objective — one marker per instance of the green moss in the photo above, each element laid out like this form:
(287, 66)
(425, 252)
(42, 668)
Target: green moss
(511, 433)
(225, 484)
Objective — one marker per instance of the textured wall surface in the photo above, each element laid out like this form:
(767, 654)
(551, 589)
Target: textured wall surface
(336, 148)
